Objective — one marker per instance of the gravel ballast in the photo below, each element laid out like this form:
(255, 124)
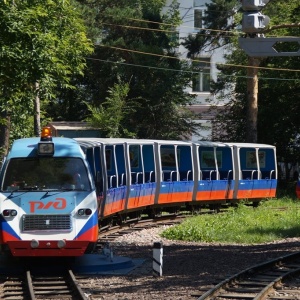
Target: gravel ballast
(188, 267)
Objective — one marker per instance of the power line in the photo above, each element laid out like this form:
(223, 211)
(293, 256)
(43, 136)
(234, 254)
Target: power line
(141, 28)
(195, 60)
(169, 24)
(154, 29)
(234, 33)
(183, 71)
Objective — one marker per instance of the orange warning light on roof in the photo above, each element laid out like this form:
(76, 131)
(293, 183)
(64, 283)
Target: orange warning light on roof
(45, 146)
(46, 132)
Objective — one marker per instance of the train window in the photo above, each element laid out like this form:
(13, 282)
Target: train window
(168, 157)
(262, 159)
(134, 154)
(45, 174)
(208, 159)
(251, 161)
(108, 158)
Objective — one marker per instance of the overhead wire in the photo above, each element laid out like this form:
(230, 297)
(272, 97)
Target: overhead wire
(159, 30)
(141, 28)
(233, 33)
(176, 31)
(184, 71)
(164, 30)
(196, 60)
(200, 28)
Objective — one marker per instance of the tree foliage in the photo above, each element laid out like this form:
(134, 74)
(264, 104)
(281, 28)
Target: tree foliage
(136, 46)
(41, 41)
(110, 115)
(218, 30)
(278, 94)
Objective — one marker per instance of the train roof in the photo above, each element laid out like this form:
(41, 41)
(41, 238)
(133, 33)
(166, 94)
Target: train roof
(92, 142)
(211, 144)
(27, 147)
(250, 145)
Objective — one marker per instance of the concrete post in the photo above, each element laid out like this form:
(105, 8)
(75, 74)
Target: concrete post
(157, 258)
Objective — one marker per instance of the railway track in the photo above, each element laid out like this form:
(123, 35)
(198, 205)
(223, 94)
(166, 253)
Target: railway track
(110, 233)
(276, 279)
(59, 282)
(30, 286)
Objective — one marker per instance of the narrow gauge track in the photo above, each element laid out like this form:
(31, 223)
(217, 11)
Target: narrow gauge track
(110, 233)
(275, 279)
(29, 286)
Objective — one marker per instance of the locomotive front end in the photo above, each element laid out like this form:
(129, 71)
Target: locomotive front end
(48, 201)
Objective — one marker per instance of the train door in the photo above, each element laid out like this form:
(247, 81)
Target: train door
(215, 172)
(93, 156)
(141, 167)
(175, 165)
(267, 165)
(114, 158)
(94, 159)
(223, 187)
(257, 171)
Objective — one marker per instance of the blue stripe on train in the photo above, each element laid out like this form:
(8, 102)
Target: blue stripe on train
(4, 226)
(258, 184)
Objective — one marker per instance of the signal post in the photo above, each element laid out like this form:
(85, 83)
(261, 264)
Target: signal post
(257, 46)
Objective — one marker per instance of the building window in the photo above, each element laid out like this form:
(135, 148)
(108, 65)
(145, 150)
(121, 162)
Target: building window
(198, 3)
(201, 75)
(198, 18)
(199, 9)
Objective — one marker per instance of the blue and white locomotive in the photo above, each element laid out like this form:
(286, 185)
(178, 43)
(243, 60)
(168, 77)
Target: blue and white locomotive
(48, 199)
(56, 192)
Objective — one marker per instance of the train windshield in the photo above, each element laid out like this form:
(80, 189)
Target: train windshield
(47, 173)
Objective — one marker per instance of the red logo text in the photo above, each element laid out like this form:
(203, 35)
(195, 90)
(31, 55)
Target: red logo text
(59, 203)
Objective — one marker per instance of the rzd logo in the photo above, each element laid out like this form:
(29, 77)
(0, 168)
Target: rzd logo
(60, 203)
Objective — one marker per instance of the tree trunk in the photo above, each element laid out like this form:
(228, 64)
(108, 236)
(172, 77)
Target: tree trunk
(4, 133)
(37, 111)
(252, 94)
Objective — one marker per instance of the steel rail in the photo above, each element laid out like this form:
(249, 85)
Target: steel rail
(30, 285)
(255, 271)
(75, 285)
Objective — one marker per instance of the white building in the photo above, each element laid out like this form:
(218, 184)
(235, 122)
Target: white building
(191, 12)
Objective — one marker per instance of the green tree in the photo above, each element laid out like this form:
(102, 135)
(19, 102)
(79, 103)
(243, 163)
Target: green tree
(109, 116)
(220, 23)
(278, 95)
(42, 45)
(239, 119)
(136, 46)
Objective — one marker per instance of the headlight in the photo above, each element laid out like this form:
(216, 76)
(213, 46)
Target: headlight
(9, 213)
(84, 212)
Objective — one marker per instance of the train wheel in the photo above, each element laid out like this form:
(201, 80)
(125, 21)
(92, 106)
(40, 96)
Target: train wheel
(216, 207)
(196, 210)
(255, 204)
(158, 213)
(121, 219)
(136, 215)
(154, 213)
(105, 223)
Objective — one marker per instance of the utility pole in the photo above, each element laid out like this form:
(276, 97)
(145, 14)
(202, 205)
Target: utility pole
(252, 99)
(257, 46)
(252, 23)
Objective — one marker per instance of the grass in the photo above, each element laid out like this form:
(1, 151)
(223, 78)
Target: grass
(243, 224)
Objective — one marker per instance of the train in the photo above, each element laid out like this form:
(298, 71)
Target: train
(56, 192)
